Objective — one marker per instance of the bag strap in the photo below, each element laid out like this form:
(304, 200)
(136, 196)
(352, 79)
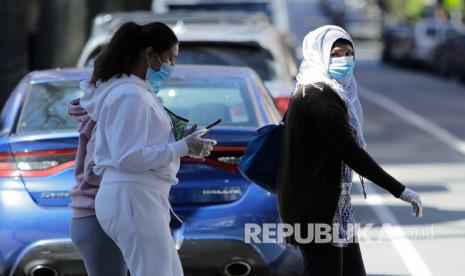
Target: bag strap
(283, 120)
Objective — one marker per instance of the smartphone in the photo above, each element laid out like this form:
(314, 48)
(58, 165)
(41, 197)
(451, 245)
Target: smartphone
(213, 124)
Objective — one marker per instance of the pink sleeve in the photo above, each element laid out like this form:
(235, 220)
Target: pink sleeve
(89, 175)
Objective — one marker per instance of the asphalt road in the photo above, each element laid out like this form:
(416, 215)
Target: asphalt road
(415, 128)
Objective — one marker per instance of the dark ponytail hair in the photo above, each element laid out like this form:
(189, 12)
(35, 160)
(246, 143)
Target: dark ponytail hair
(122, 52)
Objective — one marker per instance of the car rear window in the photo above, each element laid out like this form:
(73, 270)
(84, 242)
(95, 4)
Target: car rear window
(46, 106)
(254, 57)
(203, 101)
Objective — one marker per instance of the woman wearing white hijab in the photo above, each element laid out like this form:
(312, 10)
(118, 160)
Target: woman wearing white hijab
(322, 143)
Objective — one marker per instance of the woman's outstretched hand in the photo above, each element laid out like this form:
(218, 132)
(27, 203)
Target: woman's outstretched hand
(413, 198)
(198, 146)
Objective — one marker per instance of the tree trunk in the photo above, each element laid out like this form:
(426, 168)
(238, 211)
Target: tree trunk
(61, 33)
(13, 45)
(96, 7)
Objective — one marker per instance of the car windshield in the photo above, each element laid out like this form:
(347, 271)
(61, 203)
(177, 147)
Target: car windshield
(245, 7)
(229, 99)
(254, 57)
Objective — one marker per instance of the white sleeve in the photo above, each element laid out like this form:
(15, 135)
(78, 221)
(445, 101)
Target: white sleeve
(126, 130)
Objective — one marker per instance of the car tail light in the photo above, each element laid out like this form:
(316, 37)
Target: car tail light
(7, 165)
(36, 163)
(282, 103)
(222, 157)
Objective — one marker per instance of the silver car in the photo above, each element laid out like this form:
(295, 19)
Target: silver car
(220, 38)
(276, 10)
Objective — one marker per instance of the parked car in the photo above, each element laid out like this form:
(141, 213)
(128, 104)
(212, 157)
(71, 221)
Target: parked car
(361, 18)
(276, 10)
(415, 43)
(222, 38)
(449, 57)
(364, 22)
(397, 40)
(38, 142)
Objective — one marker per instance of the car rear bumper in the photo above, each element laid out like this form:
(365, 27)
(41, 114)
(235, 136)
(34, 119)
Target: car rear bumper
(199, 257)
(54, 255)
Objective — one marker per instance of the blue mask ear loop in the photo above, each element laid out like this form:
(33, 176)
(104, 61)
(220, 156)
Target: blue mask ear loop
(150, 67)
(148, 64)
(159, 60)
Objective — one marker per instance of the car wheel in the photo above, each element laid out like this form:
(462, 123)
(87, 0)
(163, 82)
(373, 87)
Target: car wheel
(386, 56)
(462, 77)
(442, 67)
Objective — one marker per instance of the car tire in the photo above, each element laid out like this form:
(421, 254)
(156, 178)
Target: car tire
(386, 56)
(442, 67)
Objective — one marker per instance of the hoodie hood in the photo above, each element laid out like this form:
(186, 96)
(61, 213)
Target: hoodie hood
(80, 115)
(93, 97)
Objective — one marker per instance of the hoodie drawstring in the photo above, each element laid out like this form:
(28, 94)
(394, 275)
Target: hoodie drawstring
(174, 214)
(363, 186)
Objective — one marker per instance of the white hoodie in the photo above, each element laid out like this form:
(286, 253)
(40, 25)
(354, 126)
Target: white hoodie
(134, 138)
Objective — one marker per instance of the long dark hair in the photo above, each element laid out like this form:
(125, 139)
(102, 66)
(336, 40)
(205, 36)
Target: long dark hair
(121, 53)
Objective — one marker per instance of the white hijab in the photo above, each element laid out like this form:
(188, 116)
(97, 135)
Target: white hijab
(316, 49)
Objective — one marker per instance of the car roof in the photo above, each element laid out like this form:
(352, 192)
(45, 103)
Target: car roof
(193, 2)
(59, 74)
(103, 20)
(436, 24)
(195, 71)
(203, 26)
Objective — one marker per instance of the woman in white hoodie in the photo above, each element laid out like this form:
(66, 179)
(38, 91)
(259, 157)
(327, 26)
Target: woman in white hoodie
(136, 151)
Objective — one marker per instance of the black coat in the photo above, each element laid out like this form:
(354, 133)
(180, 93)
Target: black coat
(316, 139)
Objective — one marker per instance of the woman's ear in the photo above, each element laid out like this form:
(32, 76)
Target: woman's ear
(148, 54)
(152, 59)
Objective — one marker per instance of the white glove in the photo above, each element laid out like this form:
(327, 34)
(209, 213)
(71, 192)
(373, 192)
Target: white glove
(199, 147)
(413, 198)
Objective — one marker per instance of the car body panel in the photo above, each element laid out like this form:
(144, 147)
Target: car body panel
(415, 44)
(449, 57)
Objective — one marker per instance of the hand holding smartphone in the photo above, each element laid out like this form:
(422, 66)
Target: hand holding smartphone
(194, 127)
(211, 126)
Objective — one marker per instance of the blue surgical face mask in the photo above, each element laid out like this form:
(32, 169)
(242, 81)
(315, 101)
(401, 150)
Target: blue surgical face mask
(156, 77)
(340, 68)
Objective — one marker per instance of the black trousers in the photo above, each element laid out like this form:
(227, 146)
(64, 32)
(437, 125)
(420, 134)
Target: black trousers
(325, 259)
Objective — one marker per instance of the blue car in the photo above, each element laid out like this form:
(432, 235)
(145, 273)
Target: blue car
(38, 142)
